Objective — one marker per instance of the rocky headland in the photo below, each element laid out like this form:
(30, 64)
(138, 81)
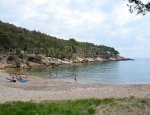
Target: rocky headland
(33, 60)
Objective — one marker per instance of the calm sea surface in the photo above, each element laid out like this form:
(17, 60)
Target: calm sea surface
(117, 72)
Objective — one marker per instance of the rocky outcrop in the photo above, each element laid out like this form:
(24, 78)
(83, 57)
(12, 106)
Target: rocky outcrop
(42, 60)
(32, 64)
(119, 58)
(85, 60)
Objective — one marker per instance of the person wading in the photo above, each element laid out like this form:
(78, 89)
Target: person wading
(75, 78)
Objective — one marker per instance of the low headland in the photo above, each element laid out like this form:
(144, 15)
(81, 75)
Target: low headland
(23, 48)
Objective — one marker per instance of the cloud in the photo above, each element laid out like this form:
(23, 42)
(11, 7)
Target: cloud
(97, 21)
(139, 48)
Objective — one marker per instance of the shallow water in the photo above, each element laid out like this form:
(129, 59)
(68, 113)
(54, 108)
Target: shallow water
(115, 72)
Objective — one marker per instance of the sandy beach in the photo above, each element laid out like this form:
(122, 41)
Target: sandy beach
(39, 89)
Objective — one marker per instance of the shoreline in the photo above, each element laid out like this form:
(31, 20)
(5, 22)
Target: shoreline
(40, 89)
(52, 62)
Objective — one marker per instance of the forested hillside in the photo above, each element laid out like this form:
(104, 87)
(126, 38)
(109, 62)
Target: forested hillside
(14, 38)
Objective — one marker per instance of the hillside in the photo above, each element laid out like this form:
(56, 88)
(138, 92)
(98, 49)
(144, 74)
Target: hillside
(12, 37)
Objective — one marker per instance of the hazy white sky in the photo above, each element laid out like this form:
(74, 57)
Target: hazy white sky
(106, 22)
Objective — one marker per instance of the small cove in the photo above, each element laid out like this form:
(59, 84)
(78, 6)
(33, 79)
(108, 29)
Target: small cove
(113, 72)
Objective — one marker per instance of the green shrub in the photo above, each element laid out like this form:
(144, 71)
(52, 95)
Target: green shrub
(21, 56)
(10, 58)
(18, 51)
(1, 58)
(31, 59)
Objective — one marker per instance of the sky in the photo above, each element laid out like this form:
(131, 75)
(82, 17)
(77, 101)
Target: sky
(102, 22)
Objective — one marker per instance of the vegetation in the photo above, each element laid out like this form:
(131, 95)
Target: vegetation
(125, 106)
(17, 39)
(78, 107)
(139, 6)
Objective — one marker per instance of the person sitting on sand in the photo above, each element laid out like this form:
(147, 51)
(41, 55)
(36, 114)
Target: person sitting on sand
(23, 79)
(26, 76)
(19, 77)
(12, 78)
(11, 75)
(15, 75)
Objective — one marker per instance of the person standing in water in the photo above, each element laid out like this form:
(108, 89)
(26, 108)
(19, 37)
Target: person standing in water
(75, 78)
(50, 74)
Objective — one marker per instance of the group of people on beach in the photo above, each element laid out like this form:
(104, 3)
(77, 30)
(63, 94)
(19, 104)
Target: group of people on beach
(16, 77)
(74, 75)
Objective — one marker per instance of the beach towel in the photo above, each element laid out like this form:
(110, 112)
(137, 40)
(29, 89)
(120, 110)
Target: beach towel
(22, 80)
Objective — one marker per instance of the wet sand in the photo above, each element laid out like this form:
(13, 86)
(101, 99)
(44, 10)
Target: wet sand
(39, 89)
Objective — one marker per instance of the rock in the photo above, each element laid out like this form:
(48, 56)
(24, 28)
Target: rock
(40, 60)
(23, 65)
(2, 66)
(32, 64)
(119, 58)
(100, 59)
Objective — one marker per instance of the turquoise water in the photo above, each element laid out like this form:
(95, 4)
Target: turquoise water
(115, 72)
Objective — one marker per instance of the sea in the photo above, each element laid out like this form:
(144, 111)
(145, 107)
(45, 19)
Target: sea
(135, 71)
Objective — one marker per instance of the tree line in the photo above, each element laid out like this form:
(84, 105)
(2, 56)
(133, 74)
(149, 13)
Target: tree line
(17, 39)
